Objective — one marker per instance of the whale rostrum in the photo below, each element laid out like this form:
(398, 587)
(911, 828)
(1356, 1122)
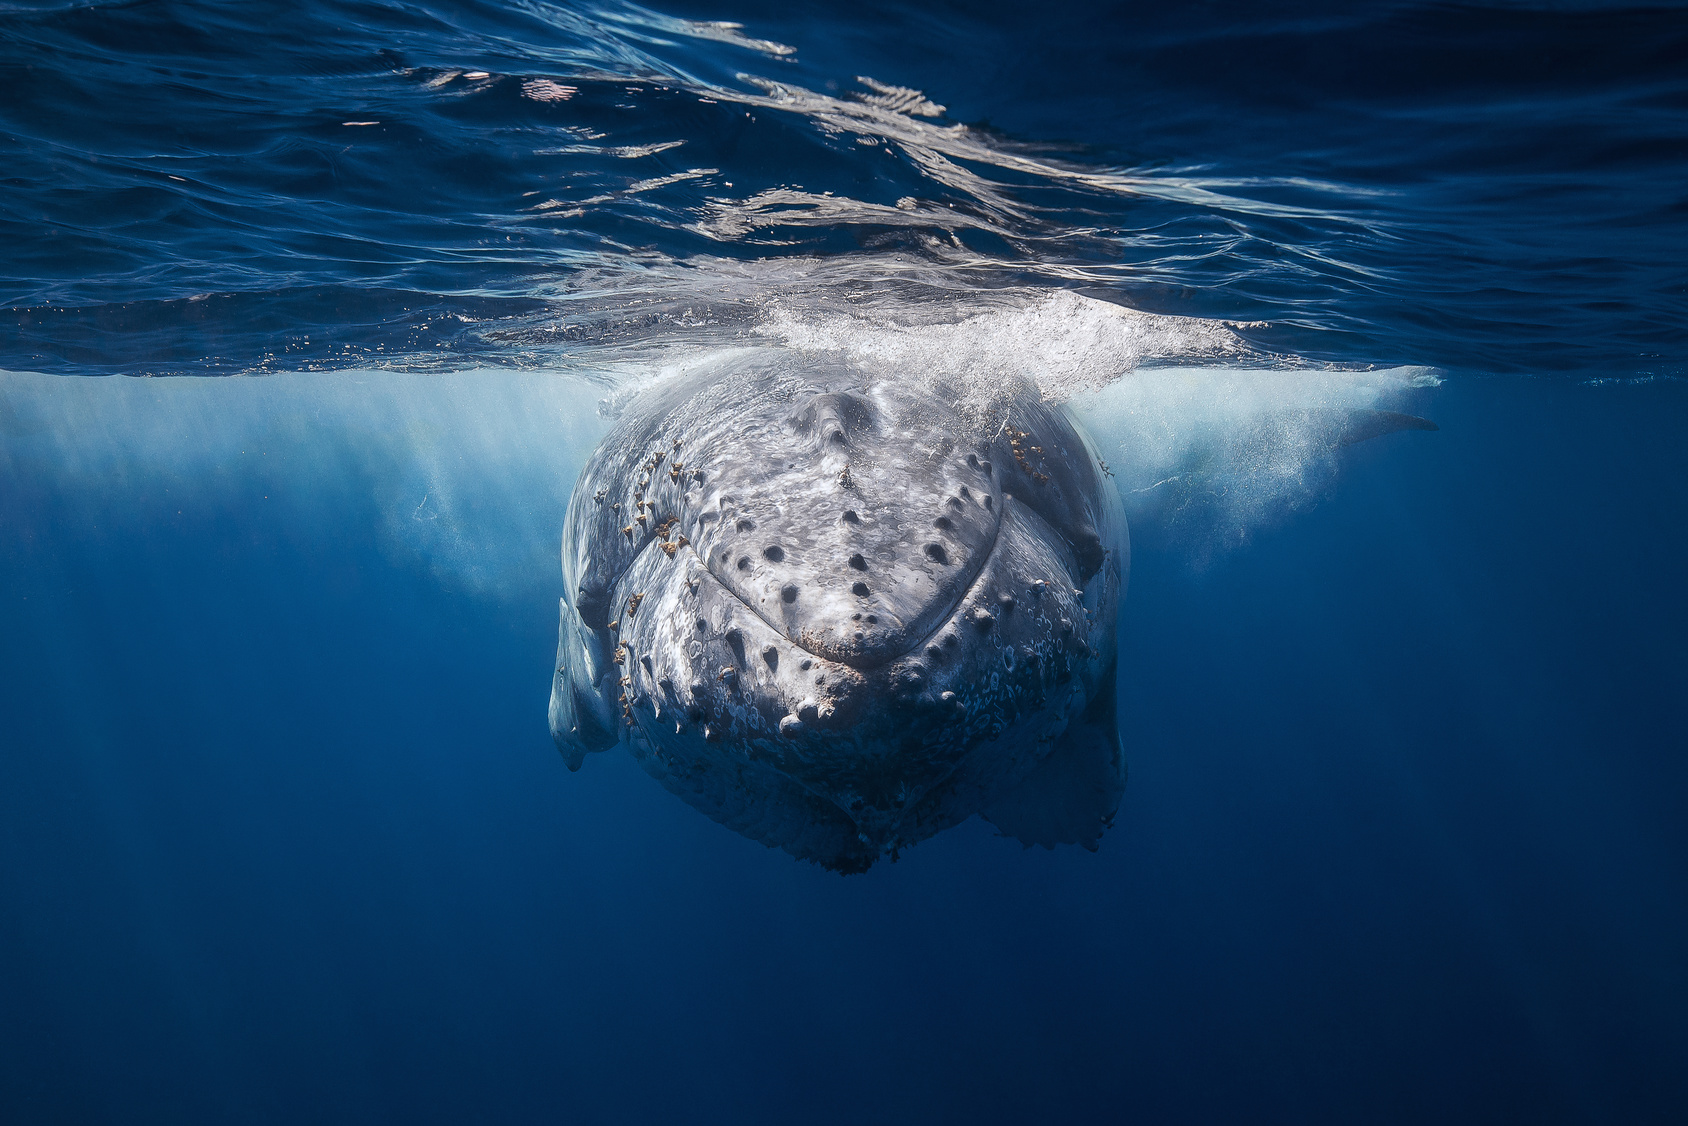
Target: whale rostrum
(841, 611)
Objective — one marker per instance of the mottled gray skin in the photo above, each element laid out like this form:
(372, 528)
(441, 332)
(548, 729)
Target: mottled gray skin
(839, 613)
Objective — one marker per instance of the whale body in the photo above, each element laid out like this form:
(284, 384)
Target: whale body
(840, 611)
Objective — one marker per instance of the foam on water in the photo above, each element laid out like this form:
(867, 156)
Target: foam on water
(468, 473)
(1215, 452)
(471, 471)
(1066, 342)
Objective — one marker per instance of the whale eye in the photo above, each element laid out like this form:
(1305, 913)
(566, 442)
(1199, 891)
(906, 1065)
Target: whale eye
(973, 460)
(966, 495)
(858, 562)
(989, 504)
(774, 554)
(859, 590)
(936, 553)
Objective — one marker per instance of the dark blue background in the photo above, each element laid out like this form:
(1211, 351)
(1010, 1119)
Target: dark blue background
(282, 836)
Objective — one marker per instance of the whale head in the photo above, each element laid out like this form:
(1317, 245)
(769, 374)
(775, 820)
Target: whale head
(841, 611)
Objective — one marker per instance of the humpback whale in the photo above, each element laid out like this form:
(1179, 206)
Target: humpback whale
(840, 610)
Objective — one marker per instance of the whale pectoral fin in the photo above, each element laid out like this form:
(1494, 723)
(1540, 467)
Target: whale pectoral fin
(1071, 796)
(1363, 425)
(580, 720)
(575, 727)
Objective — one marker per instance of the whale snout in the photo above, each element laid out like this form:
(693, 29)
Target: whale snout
(847, 531)
(840, 616)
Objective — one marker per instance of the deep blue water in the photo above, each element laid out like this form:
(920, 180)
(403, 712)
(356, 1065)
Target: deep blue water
(282, 834)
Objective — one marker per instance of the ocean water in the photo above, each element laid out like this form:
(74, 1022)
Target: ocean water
(310, 314)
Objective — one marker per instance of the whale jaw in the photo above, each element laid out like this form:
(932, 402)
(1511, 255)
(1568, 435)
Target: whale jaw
(796, 743)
